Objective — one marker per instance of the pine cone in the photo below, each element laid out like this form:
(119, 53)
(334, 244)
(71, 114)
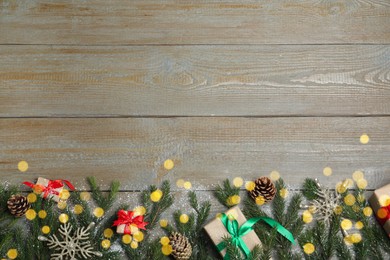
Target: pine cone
(181, 247)
(263, 187)
(18, 205)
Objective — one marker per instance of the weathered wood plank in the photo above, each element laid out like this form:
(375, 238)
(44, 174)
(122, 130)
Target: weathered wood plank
(119, 22)
(194, 80)
(205, 150)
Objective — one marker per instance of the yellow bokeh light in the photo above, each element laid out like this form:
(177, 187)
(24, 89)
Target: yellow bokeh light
(78, 209)
(357, 175)
(139, 211)
(359, 225)
(274, 175)
(364, 139)
(63, 218)
(156, 195)
(346, 224)
(126, 239)
(64, 194)
(12, 253)
(307, 217)
(349, 200)
(238, 182)
(42, 214)
(283, 193)
(85, 196)
(362, 184)
(106, 243)
(31, 214)
(23, 166)
(164, 241)
(138, 236)
(180, 183)
(309, 248)
(31, 198)
(108, 233)
(98, 212)
(163, 223)
(250, 186)
(62, 204)
(367, 211)
(169, 164)
(45, 230)
(260, 200)
(327, 171)
(166, 249)
(187, 185)
(184, 218)
(134, 244)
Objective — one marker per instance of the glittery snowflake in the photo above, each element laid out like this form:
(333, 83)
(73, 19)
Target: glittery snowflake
(71, 245)
(326, 204)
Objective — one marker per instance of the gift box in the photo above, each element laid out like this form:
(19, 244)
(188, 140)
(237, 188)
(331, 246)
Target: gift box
(380, 204)
(217, 230)
(49, 189)
(128, 222)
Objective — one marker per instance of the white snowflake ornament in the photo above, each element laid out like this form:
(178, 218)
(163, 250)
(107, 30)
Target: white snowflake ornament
(325, 205)
(73, 245)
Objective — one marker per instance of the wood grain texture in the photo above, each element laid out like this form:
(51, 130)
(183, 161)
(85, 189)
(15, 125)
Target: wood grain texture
(119, 22)
(194, 81)
(205, 150)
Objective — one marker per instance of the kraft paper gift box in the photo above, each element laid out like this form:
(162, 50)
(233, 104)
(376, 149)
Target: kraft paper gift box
(217, 231)
(380, 204)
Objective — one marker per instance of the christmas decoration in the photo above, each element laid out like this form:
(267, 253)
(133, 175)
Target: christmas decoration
(264, 189)
(181, 247)
(50, 189)
(18, 205)
(234, 224)
(128, 222)
(72, 245)
(380, 203)
(348, 232)
(324, 202)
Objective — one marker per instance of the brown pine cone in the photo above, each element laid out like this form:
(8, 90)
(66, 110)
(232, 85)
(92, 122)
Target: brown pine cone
(181, 247)
(18, 205)
(265, 188)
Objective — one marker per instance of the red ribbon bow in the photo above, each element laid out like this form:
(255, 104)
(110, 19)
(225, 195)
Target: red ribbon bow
(51, 186)
(127, 218)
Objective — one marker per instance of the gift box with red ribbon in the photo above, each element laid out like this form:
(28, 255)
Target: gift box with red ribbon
(49, 189)
(380, 204)
(128, 222)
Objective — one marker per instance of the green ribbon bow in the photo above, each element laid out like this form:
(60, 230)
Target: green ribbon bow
(237, 233)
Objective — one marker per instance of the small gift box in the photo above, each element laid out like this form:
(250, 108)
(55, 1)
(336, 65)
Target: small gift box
(233, 224)
(50, 189)
(217, 230)
(380, 203)
(128, 222)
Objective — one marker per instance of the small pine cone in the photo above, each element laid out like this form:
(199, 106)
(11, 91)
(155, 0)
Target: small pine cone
(181, 247)
(18, 205)
(263, 187)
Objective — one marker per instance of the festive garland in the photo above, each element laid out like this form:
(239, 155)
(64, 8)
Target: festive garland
(54, 223)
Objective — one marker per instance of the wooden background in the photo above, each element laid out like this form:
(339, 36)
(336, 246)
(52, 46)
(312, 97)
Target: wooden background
(235, 88)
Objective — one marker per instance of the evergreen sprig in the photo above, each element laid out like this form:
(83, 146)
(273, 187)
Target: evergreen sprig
(222, 193)
(310, 189)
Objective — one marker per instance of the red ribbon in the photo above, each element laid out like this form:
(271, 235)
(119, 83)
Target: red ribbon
(127, 218)
(51, 186)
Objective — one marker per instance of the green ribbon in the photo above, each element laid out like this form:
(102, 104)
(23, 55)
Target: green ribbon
(238, 232)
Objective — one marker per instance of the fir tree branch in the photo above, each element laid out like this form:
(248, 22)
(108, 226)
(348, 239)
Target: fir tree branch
(310, 189)
(223, 193)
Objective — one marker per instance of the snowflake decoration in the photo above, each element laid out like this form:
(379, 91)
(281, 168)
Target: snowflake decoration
(326, 203)
(72, 245)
